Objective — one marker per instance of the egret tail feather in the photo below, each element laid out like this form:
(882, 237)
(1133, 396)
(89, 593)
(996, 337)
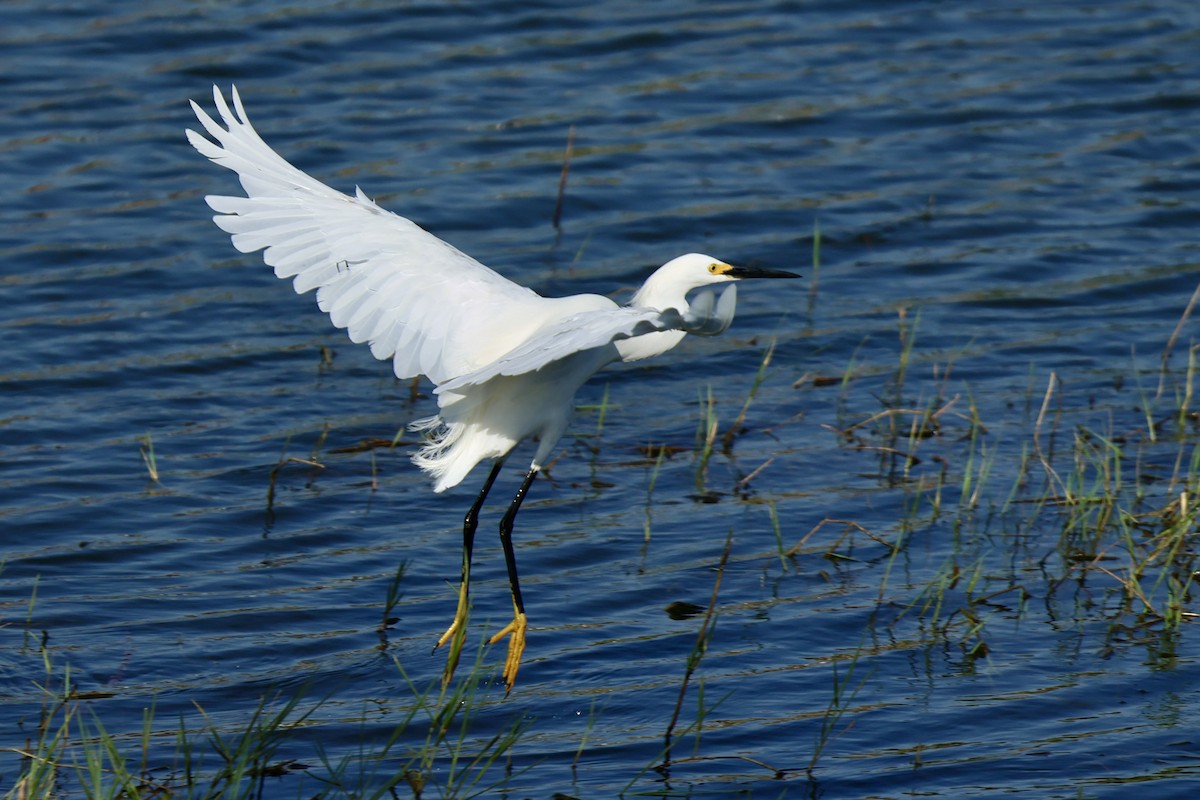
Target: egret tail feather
(436, 456)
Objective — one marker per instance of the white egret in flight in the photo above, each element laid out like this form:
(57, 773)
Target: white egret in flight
(505, 361)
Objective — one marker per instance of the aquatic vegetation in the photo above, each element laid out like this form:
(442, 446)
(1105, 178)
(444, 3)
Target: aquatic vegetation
(1091, 505)
(70, 752)
(148, 457)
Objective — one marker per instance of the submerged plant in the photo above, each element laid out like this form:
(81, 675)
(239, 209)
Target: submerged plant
(706, 435)
(148, 458)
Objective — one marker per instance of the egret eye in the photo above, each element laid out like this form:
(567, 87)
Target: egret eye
(715, 268)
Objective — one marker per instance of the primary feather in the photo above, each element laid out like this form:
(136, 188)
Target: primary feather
(415, 299)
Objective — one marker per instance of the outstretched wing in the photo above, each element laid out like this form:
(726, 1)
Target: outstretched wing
(428, 307)
(596, 328)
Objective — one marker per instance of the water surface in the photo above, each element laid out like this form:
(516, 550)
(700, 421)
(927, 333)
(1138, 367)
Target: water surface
(1006, 199)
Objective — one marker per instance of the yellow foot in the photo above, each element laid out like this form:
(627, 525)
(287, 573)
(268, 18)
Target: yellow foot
(455, 634)
(516, 646)
(457, 627)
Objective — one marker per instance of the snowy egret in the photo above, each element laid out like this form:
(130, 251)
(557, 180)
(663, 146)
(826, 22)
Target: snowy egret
(505, 361)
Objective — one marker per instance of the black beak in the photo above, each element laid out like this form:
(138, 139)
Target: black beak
(754, 272)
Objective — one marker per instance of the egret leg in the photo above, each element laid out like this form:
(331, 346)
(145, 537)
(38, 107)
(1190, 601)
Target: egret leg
(515, 630)
(457, 631)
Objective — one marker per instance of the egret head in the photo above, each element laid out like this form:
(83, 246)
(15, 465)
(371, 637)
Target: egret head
(672, 281)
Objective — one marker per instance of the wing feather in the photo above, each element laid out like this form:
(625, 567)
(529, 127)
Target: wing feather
(598, 327)
(415, 299)
(586, 330)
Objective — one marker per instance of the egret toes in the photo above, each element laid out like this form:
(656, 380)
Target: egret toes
(515, 631)
(456, 634)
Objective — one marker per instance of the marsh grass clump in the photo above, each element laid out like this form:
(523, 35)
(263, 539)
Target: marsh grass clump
(69, 752)
(704, 447)
(1080, 500)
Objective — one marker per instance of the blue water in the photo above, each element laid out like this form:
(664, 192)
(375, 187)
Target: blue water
(1007, 201)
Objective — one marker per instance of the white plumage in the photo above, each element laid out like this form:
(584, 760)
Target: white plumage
(506, 362)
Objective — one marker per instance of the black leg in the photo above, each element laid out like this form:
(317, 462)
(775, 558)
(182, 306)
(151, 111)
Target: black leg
(471, 521)
(457, 631)
(506, 529)
(515, 629)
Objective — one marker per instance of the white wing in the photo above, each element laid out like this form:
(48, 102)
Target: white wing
(588, 330)
(418, 301)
